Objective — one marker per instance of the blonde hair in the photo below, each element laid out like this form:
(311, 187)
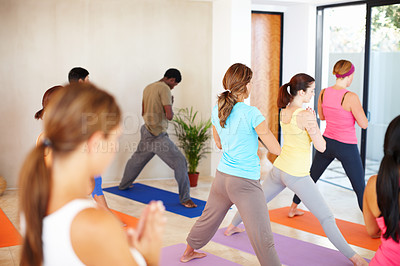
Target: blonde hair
(342, 67)
(235, 80)
(66, 126)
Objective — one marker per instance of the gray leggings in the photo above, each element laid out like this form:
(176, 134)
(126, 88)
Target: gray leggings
(308, 192)
(162, 146)
(248, 196)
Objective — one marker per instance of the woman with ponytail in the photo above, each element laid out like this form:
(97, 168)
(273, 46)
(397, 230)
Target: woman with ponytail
(292, 167)
(382, 198)
(236, 128)
(340, 108)
(61, 226)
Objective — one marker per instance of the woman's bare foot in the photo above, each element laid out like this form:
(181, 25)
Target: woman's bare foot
(294, 211)
(357, 260)
(190, 254)
(233, 230)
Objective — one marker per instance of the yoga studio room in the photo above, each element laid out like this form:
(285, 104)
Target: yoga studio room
(199, 132)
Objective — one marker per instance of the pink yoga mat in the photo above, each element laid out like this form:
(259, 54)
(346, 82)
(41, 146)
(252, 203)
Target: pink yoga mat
(290, 251)
(170, 257)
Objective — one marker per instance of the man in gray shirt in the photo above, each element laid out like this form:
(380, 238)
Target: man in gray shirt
(156, 111)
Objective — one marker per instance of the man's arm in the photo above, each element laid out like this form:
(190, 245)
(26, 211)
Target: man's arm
(169, 114)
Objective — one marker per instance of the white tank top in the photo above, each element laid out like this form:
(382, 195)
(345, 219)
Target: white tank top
(57, 247)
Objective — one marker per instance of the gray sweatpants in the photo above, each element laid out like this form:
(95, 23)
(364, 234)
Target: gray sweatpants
(162, 146)
(248, 196)
(308, 192)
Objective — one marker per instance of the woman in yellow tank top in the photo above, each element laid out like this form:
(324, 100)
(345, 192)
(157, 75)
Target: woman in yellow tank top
(292, 167)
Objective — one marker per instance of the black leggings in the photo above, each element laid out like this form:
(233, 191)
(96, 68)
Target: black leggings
(349, 156)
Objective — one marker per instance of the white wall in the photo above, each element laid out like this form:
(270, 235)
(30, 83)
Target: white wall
(124, 44)
(231, 44)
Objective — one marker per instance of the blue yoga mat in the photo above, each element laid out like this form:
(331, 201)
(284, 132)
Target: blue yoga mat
(145, 194)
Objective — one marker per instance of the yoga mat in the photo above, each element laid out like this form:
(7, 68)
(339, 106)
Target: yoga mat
(171, 256)
(9, 236)
(355, 234)
(145, 194)
(130, 221)
(290, 251)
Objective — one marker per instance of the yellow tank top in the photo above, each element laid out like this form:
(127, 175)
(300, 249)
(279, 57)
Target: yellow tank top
(295, 155)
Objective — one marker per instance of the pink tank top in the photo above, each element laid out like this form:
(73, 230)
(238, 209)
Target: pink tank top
(388, 252)
(339, 122)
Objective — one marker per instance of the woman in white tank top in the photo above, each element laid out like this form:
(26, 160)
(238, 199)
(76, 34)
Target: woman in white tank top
(61, 226)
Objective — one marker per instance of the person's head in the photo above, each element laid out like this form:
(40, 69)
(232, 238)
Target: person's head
(80, 121)
(387, 183)
(46, 100)
(344, 70)
(299, 85)
(78, 74)
(172, 77)
(237, 87)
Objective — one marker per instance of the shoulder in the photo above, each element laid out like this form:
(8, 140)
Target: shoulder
(97, 237)
(97, 225)
(351, 96)
(370, 189)
(371, 184)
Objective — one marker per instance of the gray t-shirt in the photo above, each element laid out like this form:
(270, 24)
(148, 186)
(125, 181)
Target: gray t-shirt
(155, 97)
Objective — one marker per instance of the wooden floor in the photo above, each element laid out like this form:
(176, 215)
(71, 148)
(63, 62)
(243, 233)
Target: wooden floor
(342, 201)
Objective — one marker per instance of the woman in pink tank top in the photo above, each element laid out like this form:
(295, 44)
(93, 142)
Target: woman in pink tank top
(341, 109)
(381, 200)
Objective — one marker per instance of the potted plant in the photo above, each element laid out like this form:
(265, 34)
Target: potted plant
(192, 139)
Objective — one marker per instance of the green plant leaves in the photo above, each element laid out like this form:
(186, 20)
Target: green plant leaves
(192, 136)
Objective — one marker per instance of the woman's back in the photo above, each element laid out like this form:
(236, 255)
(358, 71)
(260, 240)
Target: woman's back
(295, 156)
(339, 122)
(239, 141)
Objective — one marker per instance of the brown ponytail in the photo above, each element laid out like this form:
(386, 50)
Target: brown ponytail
(287, 92)
(235, 80)
(284, 97)
(34, 183)
(73, 115)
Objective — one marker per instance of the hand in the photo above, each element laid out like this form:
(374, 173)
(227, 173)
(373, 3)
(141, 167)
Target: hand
(311, 110)
(147, 238)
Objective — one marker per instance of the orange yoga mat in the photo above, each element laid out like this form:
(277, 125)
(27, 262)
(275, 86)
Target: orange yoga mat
(9, 236)
(355, 234)
(130, 221)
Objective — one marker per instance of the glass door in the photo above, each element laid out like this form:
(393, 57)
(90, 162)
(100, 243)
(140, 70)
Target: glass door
(383, 88)
(343, 37)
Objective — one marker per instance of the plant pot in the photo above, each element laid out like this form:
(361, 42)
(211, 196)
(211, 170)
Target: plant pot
(193, 179)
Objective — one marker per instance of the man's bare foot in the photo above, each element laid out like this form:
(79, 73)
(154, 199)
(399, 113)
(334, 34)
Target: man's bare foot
(233, 230)
(190, 254)
(295, 212)
(357, 260)
(189, 204)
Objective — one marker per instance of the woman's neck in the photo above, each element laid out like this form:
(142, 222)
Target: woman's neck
(297, 102)
(70, 180)
(340, 84)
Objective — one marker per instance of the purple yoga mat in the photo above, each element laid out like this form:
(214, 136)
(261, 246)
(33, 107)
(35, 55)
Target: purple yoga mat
(170, 256)
(290, 251)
